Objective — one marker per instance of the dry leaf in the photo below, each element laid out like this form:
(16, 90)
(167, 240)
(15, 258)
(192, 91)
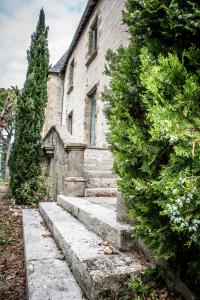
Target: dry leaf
(104, 243)
(46, 235)
(110, 252)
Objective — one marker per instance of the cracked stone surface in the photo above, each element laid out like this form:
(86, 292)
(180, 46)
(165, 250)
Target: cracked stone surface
(100, 273)
(99, 219)
(48, 275)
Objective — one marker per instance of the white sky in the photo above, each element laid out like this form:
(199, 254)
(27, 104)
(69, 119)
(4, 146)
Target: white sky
(18, 20)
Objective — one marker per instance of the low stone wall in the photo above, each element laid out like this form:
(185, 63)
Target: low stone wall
(56, 169)
(63, 164)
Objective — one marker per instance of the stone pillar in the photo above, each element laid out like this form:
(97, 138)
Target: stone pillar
(74, 183)
(122, 211)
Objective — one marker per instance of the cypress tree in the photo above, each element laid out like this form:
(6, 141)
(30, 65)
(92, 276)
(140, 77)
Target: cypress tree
(26, 155)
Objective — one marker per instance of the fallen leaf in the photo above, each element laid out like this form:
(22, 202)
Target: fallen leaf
(46, 235)
(110, 252)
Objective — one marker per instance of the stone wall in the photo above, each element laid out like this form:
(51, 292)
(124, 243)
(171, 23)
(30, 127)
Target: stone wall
(111, 34)
(98, 168)
(63, 164)
(53, 111)
(56, 166)
(98, 160)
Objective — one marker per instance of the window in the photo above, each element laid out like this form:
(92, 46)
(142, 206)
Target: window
(93, 38)
(93, 42)
(92, 119)
(70, 122)
(71, 76)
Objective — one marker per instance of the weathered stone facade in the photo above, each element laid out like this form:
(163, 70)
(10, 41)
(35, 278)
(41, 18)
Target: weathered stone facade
(110, 35)
(75, 104)
(53, 111)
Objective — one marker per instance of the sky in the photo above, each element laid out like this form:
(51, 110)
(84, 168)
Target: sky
(18, 20)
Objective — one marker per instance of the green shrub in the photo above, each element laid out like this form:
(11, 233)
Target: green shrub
(152, 106)
(149, 286)
(32, 191)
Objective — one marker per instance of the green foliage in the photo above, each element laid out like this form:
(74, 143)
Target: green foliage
(32, 191)
(152, 106)
(4, 242)
(149, 285)
(8, 194)
(27, 149)
(3, 96)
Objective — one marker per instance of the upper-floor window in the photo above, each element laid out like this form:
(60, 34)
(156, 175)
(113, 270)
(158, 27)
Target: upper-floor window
(93, 38)
(93, 42)
(71, 76)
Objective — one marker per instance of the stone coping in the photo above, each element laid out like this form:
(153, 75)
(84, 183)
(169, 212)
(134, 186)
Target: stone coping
(65, 137)
(74, 179)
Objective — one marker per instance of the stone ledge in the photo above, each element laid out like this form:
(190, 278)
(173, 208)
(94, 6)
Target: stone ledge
(75, 146)
(90, 58)
(101, 192)
(74, 179)
(49, 151)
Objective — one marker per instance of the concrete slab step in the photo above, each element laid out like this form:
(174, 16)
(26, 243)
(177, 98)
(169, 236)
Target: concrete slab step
(48, 275)
(101, 271)
(108, 202)
(100, 220)
(101, 192)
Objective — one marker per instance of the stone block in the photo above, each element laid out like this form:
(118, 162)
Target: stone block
(101, 192)
(122, 211)
(74, 186)
(100, 220)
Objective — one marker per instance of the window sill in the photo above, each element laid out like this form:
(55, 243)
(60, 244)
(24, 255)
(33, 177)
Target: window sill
(70, 88)
(90, 58)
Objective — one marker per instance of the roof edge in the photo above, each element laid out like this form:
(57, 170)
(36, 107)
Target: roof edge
(59, 67)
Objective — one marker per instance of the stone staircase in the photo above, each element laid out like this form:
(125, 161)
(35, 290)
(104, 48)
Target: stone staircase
(100, 254)
(100, 180)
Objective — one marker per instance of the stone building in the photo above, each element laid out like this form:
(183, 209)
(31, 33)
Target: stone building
(78, 161)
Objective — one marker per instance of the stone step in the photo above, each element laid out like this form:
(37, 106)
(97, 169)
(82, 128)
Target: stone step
(96, 182)
(99, 174)
(100, 220)
(48, 275)
(101, 271)
(101, 192)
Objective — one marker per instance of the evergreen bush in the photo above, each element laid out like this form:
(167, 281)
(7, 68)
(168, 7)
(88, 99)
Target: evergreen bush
(153, 109)
(26, 154)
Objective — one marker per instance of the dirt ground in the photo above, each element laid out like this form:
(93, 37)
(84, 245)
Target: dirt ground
(12, 271)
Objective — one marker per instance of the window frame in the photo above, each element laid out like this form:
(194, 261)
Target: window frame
(71, 76)
(70, 119)
(93, 41)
